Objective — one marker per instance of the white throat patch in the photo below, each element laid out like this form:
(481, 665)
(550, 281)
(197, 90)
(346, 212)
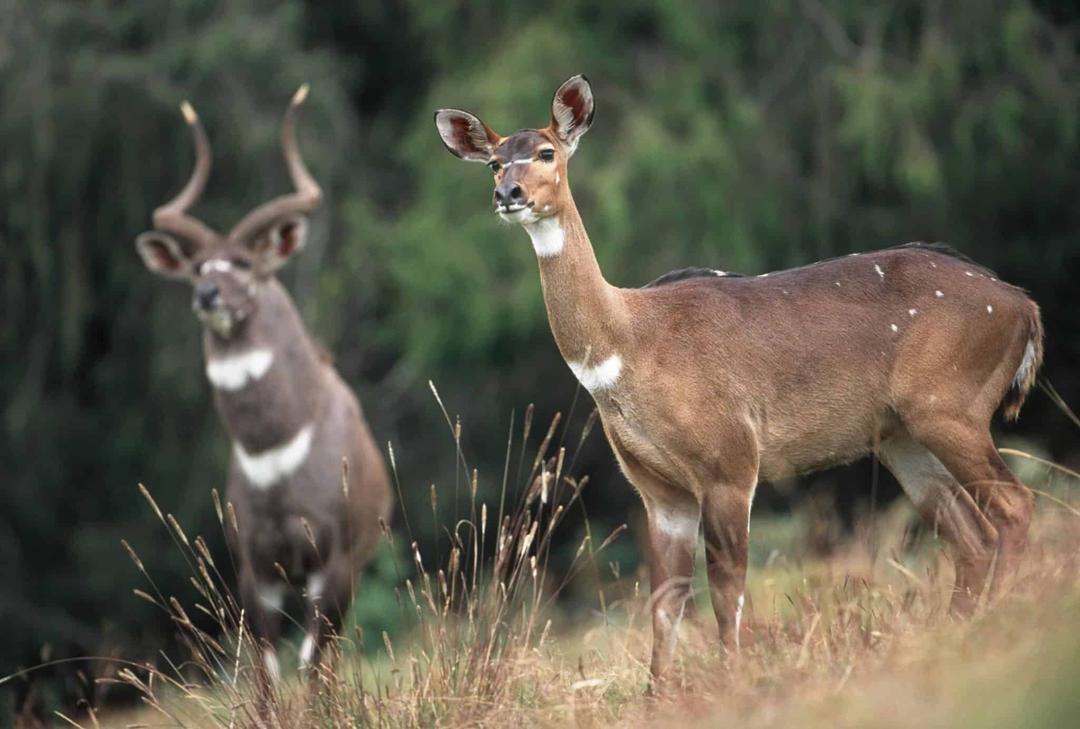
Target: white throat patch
(548, 237)
(600, 377)
(235, 372)
(265, 469)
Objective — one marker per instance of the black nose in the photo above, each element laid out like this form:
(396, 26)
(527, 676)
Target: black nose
(206, 294)
(511, 194)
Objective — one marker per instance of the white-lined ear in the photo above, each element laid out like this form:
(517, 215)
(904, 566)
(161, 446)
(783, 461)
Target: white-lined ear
(572, 111)
(280, 243)
(465, 135)
(163, 255)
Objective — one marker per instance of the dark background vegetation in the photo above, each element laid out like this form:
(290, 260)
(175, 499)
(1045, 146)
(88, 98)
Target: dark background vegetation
(741, 136)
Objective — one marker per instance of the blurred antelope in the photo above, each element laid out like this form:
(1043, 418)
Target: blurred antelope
(290, 416)
(708, 382)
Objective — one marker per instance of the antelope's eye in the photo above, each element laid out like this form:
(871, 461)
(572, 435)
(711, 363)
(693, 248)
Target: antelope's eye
(494, 165)
(548, 155)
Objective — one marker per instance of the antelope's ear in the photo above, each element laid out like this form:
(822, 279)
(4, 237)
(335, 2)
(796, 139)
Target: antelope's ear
(465, 135)
(279, 243)
(163, 255)
(572, 111)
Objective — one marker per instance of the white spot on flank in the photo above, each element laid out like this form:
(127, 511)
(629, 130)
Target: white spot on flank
(762, 275)
(270, 660)
(969, 273)
(933, 265)
(785, 292)
(993, 279)
(271, 596)
(938, 294)
(837, 284)
(267, 468)
(881, 273)
(235, 372)
(600, 377)
(894, 327)
(676, 524)
(912, 312)
(307, 650)
(989, 309)
(548, 237)
(718, 272)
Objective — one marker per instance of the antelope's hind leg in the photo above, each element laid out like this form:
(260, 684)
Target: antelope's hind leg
(726, 521)
(949, 510)
(969, 453)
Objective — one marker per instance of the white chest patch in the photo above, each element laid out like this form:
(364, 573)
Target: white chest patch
(234, 373)
(600, 377)
(265, 469)
(548, 237)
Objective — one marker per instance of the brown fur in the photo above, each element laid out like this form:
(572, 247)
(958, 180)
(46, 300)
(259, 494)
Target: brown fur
(726, 381)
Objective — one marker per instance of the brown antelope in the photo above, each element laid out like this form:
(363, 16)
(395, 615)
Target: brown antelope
(290, 416)
(707, 382)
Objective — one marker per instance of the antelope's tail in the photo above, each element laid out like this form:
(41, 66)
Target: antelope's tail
(1024, 378)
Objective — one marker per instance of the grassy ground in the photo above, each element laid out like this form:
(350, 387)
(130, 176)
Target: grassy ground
(860, 638)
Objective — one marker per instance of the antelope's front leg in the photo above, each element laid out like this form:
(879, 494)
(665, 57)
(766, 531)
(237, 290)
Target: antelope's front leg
(726, 520)
(673, 531)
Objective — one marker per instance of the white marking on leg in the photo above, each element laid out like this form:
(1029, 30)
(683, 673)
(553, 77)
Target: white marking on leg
(677, 524)
(548, 237)
(269, 467)
(879, 271)
(738, 617)
(307, 650)
(938, 293)
(600, 377)
(270, 660)
(316, 583)
(271, 595)
(235, 372)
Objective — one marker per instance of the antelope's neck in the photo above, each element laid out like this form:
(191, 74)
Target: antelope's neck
(268, 379)
(585, 312)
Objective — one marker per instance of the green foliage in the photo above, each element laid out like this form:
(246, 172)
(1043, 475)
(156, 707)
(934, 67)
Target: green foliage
(743, 136)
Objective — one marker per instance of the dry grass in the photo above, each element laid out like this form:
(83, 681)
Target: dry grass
(858, 639)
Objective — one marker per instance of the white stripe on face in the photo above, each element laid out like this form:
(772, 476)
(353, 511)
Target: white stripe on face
(215, 264)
